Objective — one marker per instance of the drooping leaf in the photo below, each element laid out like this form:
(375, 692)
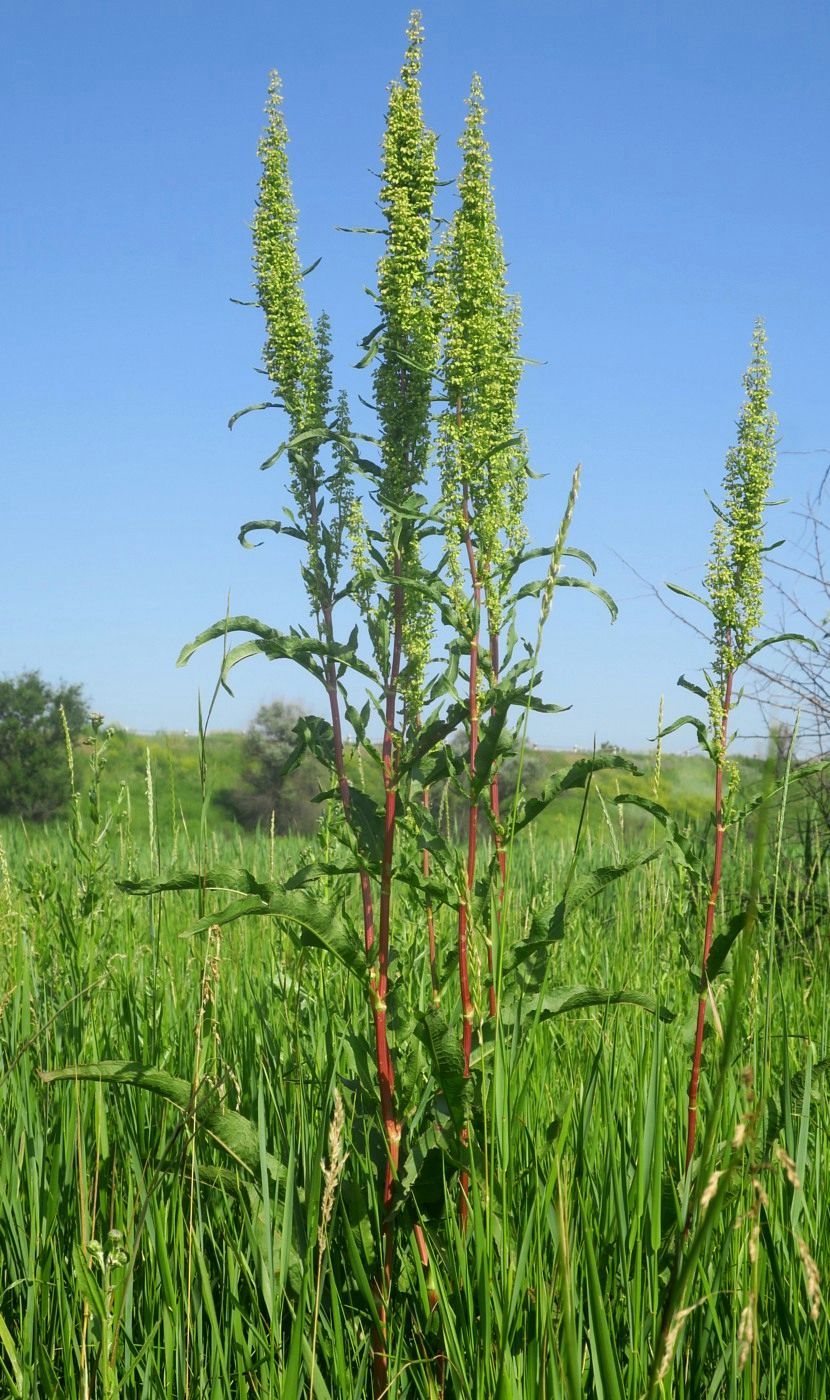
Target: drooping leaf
(252, 407)
(230, 1130)
(214, 878)
(687, 593)
(251, 525)
(692, 686)
(311, 922)
(676, 835)
(567, 581)
(575, 777)
(442, 1044)
(699, 728)
(776, 641)
(588, 886)
(308, 652)
(560, 1000)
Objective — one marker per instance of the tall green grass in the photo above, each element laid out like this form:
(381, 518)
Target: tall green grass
(138, 1259)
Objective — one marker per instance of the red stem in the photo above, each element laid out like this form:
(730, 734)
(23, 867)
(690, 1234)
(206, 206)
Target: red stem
(717, 868)
(472, 841)
(472, 827)
(495, 806)
(433, 967)
(380, 981)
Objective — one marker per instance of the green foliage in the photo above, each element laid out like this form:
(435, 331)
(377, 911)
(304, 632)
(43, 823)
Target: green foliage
(279, 782)
(224, 1188)
(34, 775)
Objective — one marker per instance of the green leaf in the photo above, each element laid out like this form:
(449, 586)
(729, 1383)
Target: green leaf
(676, 836)
(607, 1363)
(442, 1044)
(307, 652)
(230, 1130)
(774, 641)
(252, 407)
(312, 923)
(686, 593)
(699, 728)
(576, 776)
(566, 581)
(214, 878)
(722, 945)
(690, 685)
(251, 525)
(588, 886)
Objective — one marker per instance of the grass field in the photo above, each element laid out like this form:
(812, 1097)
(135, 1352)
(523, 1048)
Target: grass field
(154, 1243)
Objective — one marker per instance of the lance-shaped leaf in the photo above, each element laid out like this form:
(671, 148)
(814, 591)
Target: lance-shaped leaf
(276, 646)
(777, 640)
(687, 593)
(697, 725)
(215, 878)
(251, 525)
(576, 776)
(445, 1053)
(676, 835)
(560, 1000)
(568, 581)
(231, 1131)
(311, 923)
(253, 407)
(588, 886)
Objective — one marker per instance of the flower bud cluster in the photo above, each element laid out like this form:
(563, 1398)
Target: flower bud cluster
(735, 577)
(481, 369)
(409, 339)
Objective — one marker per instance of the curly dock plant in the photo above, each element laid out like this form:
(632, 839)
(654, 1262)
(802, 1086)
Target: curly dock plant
(734, 585)
(407, 355)
(482, 455)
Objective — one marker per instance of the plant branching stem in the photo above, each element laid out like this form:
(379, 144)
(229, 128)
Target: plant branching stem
(717, 870)
(380, 980)
(495, 807)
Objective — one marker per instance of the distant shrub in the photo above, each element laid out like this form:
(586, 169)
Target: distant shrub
(267, 786)
(34, 778)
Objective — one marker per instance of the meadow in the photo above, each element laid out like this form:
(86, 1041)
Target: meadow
(154, 1243)
(505, 1081)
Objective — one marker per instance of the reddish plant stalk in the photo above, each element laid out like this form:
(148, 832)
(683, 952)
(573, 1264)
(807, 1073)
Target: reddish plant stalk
(380, 983)
(342, 780)
(717, 869)
(433, 966)
(495, 806)
(472, 826)
(337, 733)
(386, 1083)
(472, 841)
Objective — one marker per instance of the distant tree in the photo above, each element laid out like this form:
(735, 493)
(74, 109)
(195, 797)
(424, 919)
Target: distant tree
(267, 787)
(34, 780)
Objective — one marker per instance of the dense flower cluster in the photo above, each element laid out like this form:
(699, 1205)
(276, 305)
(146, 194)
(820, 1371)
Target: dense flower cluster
(481, 370)
(735, 576)
(291, 352)
(409, 341)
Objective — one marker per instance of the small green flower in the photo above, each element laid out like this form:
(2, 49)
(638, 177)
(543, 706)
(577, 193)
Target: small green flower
(297, 354)
(736, 577)
(291, 352)
(481, 371)
(409, 340)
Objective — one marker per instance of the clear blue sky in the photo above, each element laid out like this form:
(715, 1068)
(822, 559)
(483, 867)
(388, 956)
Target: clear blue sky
(661, 176)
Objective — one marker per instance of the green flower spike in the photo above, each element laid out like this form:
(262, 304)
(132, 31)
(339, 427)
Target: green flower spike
(481, 371)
